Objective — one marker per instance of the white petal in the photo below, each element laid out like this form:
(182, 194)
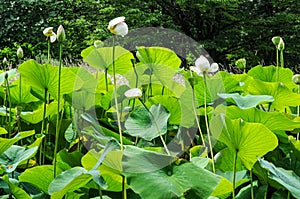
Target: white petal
(196, 70)
(214, 68)
(202, 63)
(115, 21)
(48, 31)
(121, 29)
(133, 93)
(53, 38)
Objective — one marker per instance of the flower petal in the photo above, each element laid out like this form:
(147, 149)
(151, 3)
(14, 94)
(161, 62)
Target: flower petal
(121, 29)
(53, 38)
(202, 63)
(213, 68)
(196, 70)
(115, 21)
(48, 31)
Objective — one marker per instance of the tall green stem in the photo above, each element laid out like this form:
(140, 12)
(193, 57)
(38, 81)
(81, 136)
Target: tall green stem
(234, 173)
(136, 79)
(58, 109)
(298, 110)
(105, 76)
(207, 125)
(192, 83)
(252, 191)
(8, 105)
(196, 115)
(277, 64)
(115, 95)
(43, 124)
(49, 44)
(281, 59)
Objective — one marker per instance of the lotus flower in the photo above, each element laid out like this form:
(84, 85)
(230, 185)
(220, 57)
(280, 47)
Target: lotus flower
(118, 26)
(202, 66)
(48, 32)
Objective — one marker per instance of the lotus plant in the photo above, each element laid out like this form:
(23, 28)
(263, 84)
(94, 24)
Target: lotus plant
(61, 36)
(117, 26)
(279, 44)
(202, 68)
(51, 37)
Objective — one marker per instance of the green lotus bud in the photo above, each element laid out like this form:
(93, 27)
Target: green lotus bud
(20, 53)
(296, 79)
(98, 44)
(276, 40)
(281, 45)
(241, 63)
(61, 35)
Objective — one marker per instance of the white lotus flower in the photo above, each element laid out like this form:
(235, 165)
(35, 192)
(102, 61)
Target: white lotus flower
(202, 66)
(118, 26)
(133, 93)
(48, 32)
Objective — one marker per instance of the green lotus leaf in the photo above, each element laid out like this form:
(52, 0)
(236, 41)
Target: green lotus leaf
(15, 155)
(249, 140)
(168, 180)
(273, 120)
(247, 101)
(286, 178)
(141, 123)
(102, 59)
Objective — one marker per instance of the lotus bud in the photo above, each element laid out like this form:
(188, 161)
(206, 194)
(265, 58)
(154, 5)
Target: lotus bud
(98, 43)
(241, 63)
(118, 26)
(133, 93)
(281, 45)
(296, 79)
(276, 40)
(20, 53)
(61, 34)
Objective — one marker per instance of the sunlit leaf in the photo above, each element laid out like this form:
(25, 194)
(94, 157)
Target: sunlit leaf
(6, 143)
(249, 140)
(272, 120)
(102, 58)
(39, 176)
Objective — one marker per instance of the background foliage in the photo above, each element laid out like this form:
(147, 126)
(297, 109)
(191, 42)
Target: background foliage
(227, 29)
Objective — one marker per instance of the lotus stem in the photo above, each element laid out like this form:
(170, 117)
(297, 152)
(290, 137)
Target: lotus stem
(8, 104)
(49, 44)
(207, 125)
(252, 191)
(115, 95)
(195, 110)
(234, 173)
(43, 124)
(58, 108)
